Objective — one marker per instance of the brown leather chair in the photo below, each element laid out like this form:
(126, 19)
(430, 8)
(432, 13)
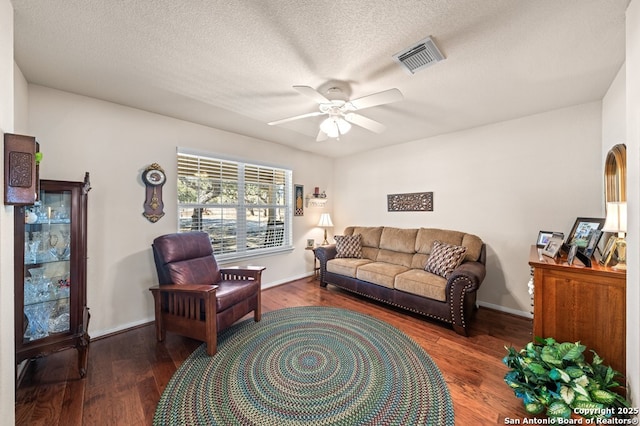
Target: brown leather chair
(195, 298)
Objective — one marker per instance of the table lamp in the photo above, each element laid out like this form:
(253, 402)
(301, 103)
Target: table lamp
(325, 222)
(616, 221)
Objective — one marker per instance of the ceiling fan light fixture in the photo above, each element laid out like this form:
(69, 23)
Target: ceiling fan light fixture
(335, 126)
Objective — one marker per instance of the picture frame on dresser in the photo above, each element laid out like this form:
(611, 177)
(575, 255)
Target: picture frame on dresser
(543, 238)
(583, 231)
(606, 253)
(553, 246)
(572, 254)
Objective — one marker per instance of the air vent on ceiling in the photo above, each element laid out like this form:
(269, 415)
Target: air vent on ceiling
(422, 55)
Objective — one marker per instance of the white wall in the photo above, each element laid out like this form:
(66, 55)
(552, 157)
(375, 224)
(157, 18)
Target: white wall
(115, 144)
(614, 119)
(7, 348)
(633, 199)
(20, 102)
(503, 182)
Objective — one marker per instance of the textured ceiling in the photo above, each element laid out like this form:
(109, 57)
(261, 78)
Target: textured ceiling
(232, 64)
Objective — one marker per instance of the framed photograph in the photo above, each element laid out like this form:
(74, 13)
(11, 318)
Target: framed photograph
(608, 249)
(299, 200)
(572, 254)
(583, 231)
(553, 246)
(593, 243)
(545, 236)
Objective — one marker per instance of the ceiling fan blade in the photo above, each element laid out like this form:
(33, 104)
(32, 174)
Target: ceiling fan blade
(322, 136)
(380, 98)
(367, 123)
(297, 117)
(312, 93)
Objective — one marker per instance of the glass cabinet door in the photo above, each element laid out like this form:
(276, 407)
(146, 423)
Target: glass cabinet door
(47, 270)
(50, 271)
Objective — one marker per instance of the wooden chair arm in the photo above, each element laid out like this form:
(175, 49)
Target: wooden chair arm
(242, 272)
(184, 288)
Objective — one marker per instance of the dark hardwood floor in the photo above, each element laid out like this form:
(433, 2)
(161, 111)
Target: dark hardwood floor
(128, 371)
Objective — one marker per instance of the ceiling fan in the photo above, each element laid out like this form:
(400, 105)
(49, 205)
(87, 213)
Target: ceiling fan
(341, 112)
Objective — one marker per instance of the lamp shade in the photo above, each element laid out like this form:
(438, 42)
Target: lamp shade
(325, 221)
(335, 126)
(616, 217)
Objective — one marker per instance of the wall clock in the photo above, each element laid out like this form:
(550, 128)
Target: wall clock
(153, 178)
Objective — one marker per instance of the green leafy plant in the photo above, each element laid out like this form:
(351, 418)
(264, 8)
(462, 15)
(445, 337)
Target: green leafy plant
(555, 376)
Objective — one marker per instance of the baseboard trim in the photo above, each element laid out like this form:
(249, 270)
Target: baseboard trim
(506, 310)
(101, 334)
(286, 280)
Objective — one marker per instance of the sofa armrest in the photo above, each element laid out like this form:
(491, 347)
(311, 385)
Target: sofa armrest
(324, 254)
(471, 272)
(462, 285)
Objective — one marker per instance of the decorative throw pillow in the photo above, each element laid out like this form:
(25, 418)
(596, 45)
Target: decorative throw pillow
(444, 258)
(348, 246)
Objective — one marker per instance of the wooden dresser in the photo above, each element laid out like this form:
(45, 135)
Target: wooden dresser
(576, 303)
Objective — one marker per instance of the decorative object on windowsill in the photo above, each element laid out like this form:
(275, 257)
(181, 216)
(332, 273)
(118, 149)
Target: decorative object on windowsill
(299, 207)
(412, 202)
(154, 178)
(555, 376)
(553, 245)
(616, 222)
(21, 160)
(325, 222)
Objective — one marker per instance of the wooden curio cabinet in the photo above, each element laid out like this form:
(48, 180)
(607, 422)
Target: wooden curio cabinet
(50, 249)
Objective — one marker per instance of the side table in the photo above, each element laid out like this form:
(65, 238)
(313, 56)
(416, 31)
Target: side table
(316, 266)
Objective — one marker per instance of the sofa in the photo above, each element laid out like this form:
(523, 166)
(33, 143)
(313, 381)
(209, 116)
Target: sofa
(432, 272)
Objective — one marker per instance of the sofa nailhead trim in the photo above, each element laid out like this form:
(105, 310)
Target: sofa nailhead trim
(464, 291)
(401, 306)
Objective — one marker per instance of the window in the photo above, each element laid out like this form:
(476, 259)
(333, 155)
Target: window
(245, 208)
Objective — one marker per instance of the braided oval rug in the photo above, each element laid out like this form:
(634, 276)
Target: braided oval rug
(308, 366)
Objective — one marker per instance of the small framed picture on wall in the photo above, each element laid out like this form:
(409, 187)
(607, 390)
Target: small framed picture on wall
(299, 200)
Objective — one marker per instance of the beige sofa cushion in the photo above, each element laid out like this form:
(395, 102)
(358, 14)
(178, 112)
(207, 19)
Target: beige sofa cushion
(473, 244)
(400, 240)
(369, 239)
(380, 273)
(370, 236)
(397, 246)
(346, 267)
(426, 237)
(423, 284)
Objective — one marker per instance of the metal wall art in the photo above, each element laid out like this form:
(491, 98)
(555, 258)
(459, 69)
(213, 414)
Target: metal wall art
(414, 202)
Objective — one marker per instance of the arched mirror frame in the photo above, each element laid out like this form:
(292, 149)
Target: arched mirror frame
(615, 174)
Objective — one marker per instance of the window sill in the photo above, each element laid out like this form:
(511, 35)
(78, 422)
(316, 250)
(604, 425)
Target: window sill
(233, 257)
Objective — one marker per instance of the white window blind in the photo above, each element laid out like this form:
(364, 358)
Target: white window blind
(245, 208)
